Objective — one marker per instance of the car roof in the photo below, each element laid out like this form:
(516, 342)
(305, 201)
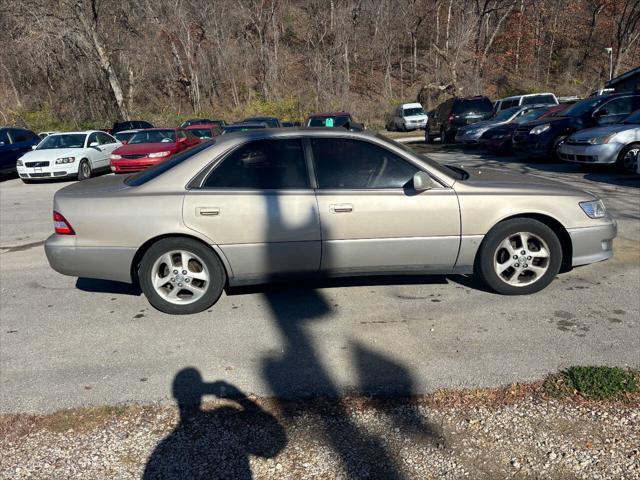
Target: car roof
(79, 132)
(264, 117)
(199, 125)
(135, 130)
(414, 104)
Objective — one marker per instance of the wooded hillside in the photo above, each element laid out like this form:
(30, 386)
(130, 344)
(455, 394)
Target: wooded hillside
(88, 62)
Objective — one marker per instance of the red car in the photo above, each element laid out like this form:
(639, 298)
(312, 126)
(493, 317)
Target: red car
(205, 131)
(150, 147)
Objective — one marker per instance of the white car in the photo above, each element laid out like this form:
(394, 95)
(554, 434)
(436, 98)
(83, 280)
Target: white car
(528, 99)
(406, 117)
(70, 154)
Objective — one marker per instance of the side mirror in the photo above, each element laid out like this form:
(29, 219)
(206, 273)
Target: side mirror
(33, 147)
(422, 181)
(94, 144)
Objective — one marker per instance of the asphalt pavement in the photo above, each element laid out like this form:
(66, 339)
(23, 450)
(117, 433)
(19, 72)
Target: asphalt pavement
(66, 342)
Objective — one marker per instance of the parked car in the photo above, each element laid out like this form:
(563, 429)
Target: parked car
(243, 127)
(14, 142)
(407, 117)
(618, 143)
(206, 131)
(150, 147)
(333, 120)
(71, 154)
(271, 122)
(542, 137)
(46, 134)
(528, 99)
(456, 113)
(203, 121)
(124, 136)
(290, 124)
(470, 135)
(498, 138)
(248, 208)
(129, 125)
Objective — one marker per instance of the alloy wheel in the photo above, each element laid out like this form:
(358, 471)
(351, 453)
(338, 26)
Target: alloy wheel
(180, 277)
(630, 160)
(521, 259)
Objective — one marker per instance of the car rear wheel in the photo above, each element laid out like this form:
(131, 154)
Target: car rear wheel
(519, 257)
(181, 276)
(84, 169)
(629, 157)
(443, 136)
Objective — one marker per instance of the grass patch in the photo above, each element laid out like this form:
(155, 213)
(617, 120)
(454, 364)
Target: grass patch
(79, 419)
(593, 383)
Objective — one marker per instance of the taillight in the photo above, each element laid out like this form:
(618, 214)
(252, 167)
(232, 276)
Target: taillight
(61, 225)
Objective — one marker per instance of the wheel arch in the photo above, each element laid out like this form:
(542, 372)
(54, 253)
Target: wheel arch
(137, 258)
(553, 224)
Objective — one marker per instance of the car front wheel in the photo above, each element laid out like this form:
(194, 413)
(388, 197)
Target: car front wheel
(84, 169)
(629, 158)
(181, 276)
(519, 257)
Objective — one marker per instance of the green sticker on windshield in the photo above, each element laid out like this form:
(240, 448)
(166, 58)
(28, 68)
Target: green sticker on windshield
(328, 122)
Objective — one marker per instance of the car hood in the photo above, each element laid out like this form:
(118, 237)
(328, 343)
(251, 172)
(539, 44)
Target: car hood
(51, 154)
(555, 121)
(416, 117)
(588, 133)
(142, 148)
(481, 124)
(490, 178)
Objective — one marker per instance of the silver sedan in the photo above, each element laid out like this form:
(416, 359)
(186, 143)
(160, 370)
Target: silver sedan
(258, 205)
(618, 143)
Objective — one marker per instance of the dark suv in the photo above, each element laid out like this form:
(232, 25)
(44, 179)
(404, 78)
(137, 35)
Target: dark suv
(542, 137)
(455, 113)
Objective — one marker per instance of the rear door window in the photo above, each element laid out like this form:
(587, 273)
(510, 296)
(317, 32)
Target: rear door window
(262, 165)
(354, 164)
(474, 105)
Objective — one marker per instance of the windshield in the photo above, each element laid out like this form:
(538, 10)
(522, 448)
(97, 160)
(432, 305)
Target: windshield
(71, 140)
(506, 114)
(157, 170)
(457, 173)
(531, 115)
(241, 128)
(409, 112)
(584, 106)
(271, 122)
(532, 100)
(154, 136)
(202, 132)
(337, 121)
(473, 105)
(633, 118)
(124, 137)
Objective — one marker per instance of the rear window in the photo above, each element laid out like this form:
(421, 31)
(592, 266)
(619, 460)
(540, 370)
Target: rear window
(542, 99)
(157, 170)
(330, 122)
(473, 105)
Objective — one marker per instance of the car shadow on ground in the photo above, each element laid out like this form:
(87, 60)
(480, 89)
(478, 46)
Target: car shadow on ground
(107, 286)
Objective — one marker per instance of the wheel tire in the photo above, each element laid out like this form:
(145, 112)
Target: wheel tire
(443, 136)
(553, 154)
(427, 138)
(213, 290)
(489, 249)
(626, 164)
(84, 169)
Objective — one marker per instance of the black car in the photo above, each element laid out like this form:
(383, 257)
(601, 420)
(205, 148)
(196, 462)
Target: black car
(542, 137)
(203, 121)
(129, 125)
(14, 142)
(272, 122)
(455, 113)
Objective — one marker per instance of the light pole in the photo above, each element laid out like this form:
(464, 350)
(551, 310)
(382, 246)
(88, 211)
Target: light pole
(609, 50)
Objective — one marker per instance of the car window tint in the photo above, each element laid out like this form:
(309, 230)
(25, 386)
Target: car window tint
(19, 135)
(550, 99)
(104, 139)
(618, 106)
(344, 163)
(4, 137)
(92, 138)
(262, 164)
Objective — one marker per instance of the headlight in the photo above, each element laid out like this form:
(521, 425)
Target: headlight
(115, 156)
(602, 139)
(540, 129)
(65, 160)
(19, 163)
(159, 154)
(593, 209)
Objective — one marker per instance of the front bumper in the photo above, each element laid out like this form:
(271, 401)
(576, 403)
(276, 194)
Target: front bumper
(604, 154)
(593, 244)
(48, 172)
(106, 263)
(137, 165)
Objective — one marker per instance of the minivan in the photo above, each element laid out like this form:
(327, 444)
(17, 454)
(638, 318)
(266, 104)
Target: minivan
(455, 113)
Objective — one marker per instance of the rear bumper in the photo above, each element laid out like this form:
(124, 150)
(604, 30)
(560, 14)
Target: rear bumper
(593, 244)
(106, 263)
(603, 154)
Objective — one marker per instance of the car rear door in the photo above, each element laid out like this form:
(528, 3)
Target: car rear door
(258, 206)
(371, 219)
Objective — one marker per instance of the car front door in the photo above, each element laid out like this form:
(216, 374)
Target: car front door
(258, 206)
(107, 144)
(372, 220)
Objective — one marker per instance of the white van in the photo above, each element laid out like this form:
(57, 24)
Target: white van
(529, 99)
(406, 117)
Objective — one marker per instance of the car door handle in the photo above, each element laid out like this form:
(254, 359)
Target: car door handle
(341, 208)
(208, 211)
